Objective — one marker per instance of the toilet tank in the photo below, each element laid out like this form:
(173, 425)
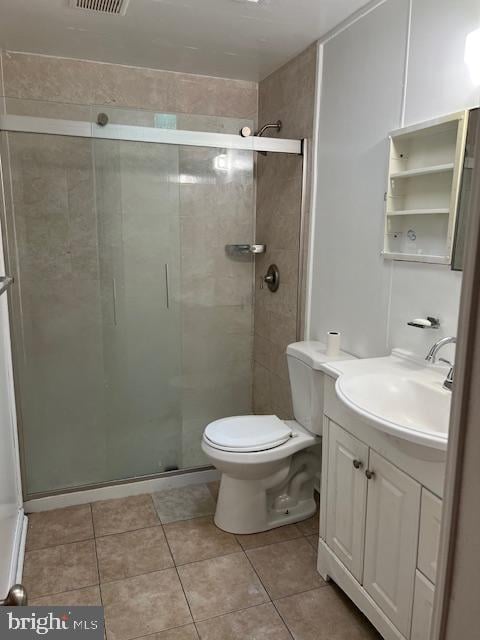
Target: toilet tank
(306, 382)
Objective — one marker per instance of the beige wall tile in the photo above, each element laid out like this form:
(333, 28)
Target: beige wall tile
(281, 397)
(288, 94)
(262, 400)
(36, 77)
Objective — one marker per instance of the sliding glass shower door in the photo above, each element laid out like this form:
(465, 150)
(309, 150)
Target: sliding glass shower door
(137, 207)
(132, 327)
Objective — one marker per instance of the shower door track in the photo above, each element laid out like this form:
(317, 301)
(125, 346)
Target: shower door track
(116, 483)
(132, 133)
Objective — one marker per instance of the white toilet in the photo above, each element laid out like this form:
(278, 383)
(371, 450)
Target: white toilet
(268, 465)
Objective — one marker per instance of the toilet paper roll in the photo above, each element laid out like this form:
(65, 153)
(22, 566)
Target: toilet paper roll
(333, 343)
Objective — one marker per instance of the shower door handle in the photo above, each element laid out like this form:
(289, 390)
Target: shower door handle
(114, 301)
(167, 289)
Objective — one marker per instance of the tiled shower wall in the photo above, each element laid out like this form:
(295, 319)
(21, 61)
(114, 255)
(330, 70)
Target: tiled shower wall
(217, 313)
(36, 77)
(288, 95)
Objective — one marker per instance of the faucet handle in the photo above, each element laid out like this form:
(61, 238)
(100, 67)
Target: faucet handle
(448, 384)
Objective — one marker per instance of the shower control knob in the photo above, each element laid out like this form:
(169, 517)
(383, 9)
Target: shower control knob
(369, 474)
(272, 278)
(357, 464)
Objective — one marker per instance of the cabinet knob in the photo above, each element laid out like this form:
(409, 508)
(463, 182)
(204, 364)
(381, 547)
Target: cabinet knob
(370, 474)
(357, 464)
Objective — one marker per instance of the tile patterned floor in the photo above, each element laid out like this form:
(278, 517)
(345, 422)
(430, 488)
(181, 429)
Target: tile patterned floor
(162, 569)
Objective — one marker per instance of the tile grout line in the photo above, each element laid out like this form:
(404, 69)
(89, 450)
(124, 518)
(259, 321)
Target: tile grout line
(256, 573)
(60, 544)
(292, 595)
(57, 593)
(268, 594)
(98, 574)
(179, 579)
(268, 544)
(283, 620)
(299, 593)
(150, 635)
(227, 613)
(160, 523)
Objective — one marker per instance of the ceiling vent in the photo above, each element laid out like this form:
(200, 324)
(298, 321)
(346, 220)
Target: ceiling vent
(112, 7)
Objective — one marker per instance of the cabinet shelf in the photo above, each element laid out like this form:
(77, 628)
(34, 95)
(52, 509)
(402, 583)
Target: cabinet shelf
(424, 171)
(418, 212)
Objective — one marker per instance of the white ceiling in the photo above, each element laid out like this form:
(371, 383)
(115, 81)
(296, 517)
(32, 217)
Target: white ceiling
(230, 38)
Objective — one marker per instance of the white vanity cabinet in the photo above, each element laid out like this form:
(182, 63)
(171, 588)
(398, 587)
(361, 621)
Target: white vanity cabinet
(346, 498)
(393, 509)
(380, 523)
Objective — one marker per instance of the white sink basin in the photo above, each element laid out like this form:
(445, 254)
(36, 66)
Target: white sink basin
(402, 397)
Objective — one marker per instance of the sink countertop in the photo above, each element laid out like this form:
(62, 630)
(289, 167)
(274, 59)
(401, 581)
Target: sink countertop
(398, 394)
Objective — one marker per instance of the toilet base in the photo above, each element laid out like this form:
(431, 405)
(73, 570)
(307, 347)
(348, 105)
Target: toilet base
(254, 507)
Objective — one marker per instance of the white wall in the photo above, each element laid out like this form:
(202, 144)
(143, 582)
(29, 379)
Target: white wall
(384, 70)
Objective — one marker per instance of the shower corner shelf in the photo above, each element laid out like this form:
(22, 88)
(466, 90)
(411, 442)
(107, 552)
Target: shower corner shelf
(423, 189)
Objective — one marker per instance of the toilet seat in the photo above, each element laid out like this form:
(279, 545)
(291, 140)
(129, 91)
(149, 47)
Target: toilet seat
(247, 434)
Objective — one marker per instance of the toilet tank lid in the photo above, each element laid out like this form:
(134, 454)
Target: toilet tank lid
(314, 353)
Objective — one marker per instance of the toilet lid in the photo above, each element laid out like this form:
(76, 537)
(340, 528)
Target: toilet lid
(247, 433)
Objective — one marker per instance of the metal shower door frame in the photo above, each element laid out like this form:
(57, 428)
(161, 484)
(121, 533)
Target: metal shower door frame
(133, 133)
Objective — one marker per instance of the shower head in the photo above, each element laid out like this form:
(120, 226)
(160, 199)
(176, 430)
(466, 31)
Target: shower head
(271, 125)
(246, 132)
(274, 125)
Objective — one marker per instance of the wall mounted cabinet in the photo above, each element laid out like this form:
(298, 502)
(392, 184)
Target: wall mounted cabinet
(425, 171)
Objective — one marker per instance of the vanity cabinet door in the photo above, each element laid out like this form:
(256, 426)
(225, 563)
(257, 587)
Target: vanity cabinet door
(393, 512)
(422, 608)
(346, 498)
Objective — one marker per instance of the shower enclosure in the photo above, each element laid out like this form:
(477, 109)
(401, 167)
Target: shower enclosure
(131, 324)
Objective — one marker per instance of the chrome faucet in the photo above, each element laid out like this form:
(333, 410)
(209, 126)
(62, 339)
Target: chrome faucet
(432, 357)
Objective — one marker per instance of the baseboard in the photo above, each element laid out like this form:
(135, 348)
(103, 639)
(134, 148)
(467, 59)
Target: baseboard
(120, 490)
(18, 551)
(330, 567)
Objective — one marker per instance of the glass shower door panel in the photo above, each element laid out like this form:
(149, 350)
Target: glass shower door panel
(56, 311)
(137, 204)
(216, 209)
(132, 325)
